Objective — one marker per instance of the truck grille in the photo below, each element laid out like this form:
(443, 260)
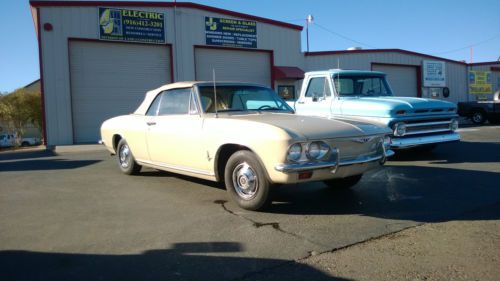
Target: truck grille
(427, 127)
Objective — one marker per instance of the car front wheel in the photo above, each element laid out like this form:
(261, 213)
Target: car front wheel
(126, 160)
(246, 181)
(344, 183)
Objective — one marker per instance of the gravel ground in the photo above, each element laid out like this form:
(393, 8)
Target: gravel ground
(454, 250)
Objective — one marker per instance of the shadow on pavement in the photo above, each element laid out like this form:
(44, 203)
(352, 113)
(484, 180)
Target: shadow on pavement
(185, 261)
(413, 193)
(44, 164)
(459, 152)
(17, 155)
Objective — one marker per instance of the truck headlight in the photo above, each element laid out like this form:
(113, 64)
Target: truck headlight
(399, 129)
(317, 150)
(294, 152)
(454, 124)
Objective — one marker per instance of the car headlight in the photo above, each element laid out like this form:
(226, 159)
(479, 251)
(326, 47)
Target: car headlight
(317, 150)
(399, 129)
(294, 152)
(454, 125)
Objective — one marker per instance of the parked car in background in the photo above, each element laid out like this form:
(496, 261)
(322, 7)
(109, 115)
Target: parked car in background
(481, 111)
(244, 135)
(9, 140)
(366, 95)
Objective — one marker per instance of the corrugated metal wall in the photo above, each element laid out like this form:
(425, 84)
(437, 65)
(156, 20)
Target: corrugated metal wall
(456, 73)
(82, 22)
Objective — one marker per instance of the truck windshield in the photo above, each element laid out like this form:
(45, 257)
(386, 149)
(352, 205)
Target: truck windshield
(241, 98)
(357, 85)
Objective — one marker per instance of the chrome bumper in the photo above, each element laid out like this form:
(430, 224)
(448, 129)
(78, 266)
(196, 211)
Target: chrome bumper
(399, 143)
(332, 164)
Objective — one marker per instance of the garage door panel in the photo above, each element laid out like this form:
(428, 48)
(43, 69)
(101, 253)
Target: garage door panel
(111, 79)
(233, 65)
(403, 79)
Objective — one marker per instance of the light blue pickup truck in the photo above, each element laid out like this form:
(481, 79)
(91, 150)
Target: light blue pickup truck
(366, 95)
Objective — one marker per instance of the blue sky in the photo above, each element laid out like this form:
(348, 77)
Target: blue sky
(439, 27)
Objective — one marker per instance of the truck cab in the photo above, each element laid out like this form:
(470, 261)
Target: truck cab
(367, 96)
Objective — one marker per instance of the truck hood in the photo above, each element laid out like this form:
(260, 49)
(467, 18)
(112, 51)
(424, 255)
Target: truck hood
(310, 127)
(388, 106)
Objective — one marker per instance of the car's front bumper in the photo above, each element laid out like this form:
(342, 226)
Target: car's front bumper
(334, 168)
(408, 142)
(332, 165)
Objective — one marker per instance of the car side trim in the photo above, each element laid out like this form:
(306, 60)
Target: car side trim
(177, 168)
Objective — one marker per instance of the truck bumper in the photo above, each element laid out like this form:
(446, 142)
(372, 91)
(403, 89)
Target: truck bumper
(402, 143)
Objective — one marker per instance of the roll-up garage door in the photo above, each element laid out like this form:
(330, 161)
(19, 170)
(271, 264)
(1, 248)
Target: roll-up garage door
(233, 65)
(110, 79)
(403, 79)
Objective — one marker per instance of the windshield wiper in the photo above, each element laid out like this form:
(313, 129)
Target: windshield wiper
(269, 108)
(229, 110)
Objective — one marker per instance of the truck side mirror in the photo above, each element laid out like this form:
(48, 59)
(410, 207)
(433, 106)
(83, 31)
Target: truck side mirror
(315, 97)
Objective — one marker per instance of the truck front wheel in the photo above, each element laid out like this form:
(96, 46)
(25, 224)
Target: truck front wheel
(478, 117)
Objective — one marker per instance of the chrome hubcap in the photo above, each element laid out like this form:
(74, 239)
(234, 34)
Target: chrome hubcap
(124, 156)
(245, 181)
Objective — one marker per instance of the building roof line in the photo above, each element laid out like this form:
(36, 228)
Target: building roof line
(42, 3)
(338, 52)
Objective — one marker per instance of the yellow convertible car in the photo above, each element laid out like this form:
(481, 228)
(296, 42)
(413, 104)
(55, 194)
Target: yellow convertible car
(244, 135)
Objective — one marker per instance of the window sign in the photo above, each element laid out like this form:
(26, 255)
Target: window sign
(434, 73)
(230, 32)
(131, 25)
(286, 92)
(480, 82)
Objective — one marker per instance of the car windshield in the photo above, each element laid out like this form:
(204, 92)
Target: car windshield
(357, 85)
(241, 98)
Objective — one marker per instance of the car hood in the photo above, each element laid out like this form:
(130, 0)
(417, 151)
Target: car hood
(310, 127)
(388, 106)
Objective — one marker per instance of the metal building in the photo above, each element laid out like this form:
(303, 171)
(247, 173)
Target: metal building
(90, 74)
(97, 59)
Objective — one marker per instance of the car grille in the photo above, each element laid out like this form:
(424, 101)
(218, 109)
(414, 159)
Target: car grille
(357, 147)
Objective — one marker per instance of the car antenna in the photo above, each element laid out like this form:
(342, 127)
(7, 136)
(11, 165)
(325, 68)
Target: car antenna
(215, 93)
(338, 76)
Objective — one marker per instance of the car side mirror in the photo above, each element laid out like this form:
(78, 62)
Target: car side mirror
(315, 97)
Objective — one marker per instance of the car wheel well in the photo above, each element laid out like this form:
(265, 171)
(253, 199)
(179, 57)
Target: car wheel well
(223, 155)
(116, 140)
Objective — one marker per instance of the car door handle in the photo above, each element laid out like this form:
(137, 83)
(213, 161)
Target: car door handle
(151, 123)
(301, 102)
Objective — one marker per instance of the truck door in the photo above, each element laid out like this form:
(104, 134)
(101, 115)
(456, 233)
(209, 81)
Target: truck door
(317, 99)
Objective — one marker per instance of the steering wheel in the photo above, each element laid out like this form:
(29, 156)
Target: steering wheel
(264, 106)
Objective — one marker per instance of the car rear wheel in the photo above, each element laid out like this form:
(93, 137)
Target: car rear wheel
(344, 183)
(246, 181)
(126, 160)
(478, 117)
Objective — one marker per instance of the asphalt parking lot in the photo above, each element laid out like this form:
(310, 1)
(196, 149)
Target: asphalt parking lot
(72, 215)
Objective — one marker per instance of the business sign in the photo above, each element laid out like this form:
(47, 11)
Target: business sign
(230, 32)
(434, 73)
(480, 82)
(131, 25)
